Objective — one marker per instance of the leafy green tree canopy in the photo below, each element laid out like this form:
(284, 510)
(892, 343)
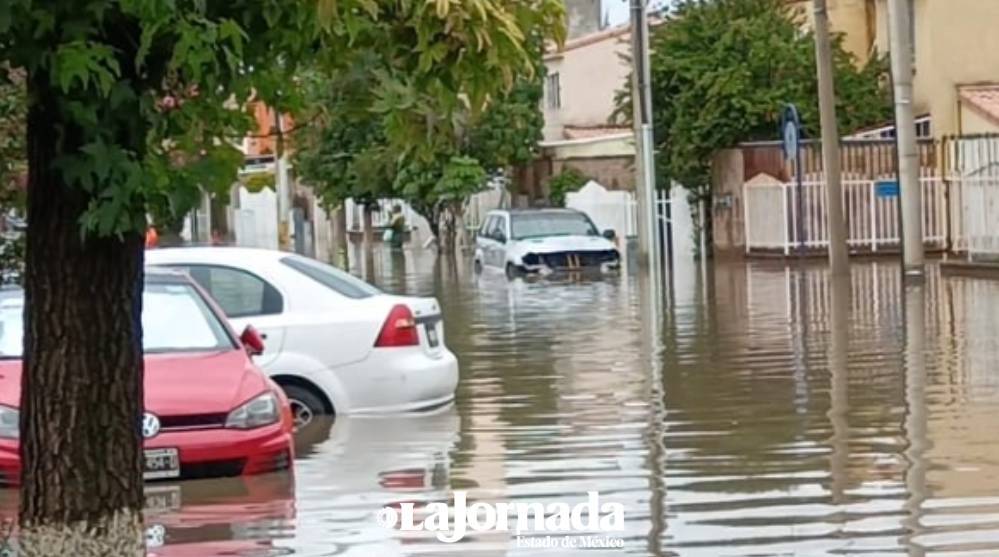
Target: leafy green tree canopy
(187, 67)
(723, 69)
(346, 152)
(343, 150)
(13, 108)
(565, 182)
(133, 108)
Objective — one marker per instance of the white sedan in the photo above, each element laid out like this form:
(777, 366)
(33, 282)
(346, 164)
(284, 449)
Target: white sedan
(334, 343)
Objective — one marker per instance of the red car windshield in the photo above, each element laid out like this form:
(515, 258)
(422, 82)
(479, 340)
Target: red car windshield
(175, 318)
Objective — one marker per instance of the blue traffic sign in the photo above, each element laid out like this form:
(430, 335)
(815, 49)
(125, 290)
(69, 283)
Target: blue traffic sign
(886, 188)
(791, 132)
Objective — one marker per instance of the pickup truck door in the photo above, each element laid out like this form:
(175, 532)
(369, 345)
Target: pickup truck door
(501, 235)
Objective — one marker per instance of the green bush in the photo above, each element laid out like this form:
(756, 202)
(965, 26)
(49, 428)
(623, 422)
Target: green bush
(568, 181)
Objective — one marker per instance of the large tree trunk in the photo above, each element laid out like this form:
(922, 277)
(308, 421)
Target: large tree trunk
(432, 215)
(434, 222)
(461, 234)
(445, 240)
(368, 230)
(340, 240)
(81, 400)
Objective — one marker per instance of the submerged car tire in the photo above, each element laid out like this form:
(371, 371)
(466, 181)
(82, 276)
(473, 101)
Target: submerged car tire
(305, 405)
(513, 271)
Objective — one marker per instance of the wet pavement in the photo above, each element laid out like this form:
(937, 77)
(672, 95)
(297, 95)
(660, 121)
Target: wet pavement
(766, 411)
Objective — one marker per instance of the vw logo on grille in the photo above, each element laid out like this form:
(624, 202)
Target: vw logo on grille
(150, 425)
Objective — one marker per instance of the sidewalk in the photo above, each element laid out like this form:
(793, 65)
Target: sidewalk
(978, 269)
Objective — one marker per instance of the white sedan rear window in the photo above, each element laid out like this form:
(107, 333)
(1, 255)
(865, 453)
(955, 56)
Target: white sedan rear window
(331, 277)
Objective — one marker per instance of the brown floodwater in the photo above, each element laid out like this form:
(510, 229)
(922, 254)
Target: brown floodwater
(764, 410)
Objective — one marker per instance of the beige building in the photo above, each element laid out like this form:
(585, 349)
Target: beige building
(582, 81)
(956, 53)
(855, 19)
(957, 47)
(584, 17)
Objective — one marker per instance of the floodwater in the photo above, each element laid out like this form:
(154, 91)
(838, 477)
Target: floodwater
(765, 410)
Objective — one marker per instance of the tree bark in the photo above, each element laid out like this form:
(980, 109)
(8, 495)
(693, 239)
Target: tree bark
(340, 241)
(82, 395)
(368, 230)
(461, 235)
(445, 241)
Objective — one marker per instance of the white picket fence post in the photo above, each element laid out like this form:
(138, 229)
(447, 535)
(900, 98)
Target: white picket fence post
(872, 221)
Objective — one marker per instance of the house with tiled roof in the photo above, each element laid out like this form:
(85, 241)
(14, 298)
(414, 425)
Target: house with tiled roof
(582, 80)
(955, 53)
(979, 108)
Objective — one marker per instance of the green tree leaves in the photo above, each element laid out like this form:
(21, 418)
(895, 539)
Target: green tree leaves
(13, 168)
(723, 69)
(153, 88)
(13, 110)
(86, 62)
(568, 181)
(381, 132)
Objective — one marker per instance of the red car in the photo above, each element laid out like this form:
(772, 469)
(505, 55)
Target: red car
(209, 411)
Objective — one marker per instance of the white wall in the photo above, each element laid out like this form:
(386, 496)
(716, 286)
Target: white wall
(685, 267)
(609, 210)
(254, 219)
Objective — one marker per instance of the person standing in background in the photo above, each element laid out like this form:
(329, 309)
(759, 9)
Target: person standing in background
(398, 227)
(397, 256)
(152, 237)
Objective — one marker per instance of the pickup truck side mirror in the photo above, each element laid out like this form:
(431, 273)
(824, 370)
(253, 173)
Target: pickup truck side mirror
(610, 234)
(500, 237)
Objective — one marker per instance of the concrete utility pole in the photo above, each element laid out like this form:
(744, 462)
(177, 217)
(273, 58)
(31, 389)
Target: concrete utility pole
(283, 189)
(905, 131)
(838, 256)
(648, 232)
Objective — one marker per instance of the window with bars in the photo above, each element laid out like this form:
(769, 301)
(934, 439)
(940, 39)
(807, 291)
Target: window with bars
(554, 91)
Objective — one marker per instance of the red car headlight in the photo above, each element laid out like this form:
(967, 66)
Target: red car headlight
(261, 411)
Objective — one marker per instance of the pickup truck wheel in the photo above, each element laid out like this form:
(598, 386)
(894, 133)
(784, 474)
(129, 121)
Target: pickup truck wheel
(513, 271)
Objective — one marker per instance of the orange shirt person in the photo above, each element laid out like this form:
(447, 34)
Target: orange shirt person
(152, 238)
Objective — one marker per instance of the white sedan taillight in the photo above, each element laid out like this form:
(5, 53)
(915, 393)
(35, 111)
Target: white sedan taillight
(399, 329)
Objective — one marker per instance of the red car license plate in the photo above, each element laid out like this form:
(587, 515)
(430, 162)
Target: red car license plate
(161, 499)
(161, 463)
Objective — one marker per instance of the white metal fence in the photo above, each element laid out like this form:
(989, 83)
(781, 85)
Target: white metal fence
(776, 220)
(980, 199)
(663, 201)
(973, 171)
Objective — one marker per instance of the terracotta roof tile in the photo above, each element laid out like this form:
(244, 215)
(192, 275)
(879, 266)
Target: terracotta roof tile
(571, 132)
(598, 36)
(984, 99)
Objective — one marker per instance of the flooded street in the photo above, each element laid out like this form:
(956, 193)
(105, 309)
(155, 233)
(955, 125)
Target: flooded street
(774, 413)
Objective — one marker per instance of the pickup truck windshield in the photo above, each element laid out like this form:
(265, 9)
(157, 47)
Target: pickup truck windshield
(542, 224)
